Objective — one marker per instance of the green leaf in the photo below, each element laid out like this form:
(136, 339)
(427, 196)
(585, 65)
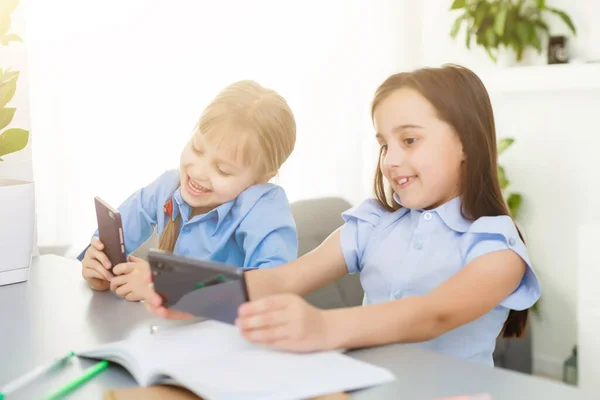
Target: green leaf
(7, 91)
(514, 202)
(500, 22)
(504, 144)
(469, 36)
(501, 177)
(535, 41)
(491, 38)
(7, 7)
(519, 6)
(8, 75)
(456, 26)
(536, 308)
(566, 19)
(13, 140)
(542, 25)
(458, 4)
(541, 4)
(522, 33)
(492, 56)
(480, 12)
(11, 37)
(6, 116)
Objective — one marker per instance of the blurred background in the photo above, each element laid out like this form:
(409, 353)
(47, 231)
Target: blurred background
(109, 92)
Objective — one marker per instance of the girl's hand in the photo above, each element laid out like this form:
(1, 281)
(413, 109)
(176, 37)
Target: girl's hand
(130, 280)
(95, 266)
(286, 322)
(153, 303)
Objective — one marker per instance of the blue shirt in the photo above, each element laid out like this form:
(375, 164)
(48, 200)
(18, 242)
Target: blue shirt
(254, 230)
(410, 252)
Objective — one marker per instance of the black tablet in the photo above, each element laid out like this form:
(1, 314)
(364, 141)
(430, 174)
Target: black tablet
(199, 287)
(110, 232)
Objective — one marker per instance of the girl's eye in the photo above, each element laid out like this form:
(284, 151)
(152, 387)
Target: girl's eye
(197, 151)
(220, 171)
(410, 141)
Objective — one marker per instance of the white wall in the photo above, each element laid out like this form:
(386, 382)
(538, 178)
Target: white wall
(118, 86)
(588, 316)
(553, 163)
(551, 166)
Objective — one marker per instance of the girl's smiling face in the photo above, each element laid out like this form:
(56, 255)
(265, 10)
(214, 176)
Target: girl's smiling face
(421, 155)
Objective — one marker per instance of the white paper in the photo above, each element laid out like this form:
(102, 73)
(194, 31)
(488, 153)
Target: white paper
(213, 360)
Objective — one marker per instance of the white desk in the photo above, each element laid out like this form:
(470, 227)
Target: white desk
(55, 312)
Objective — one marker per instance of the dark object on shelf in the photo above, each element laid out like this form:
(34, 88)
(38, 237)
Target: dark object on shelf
(570, 368)
(557, 50)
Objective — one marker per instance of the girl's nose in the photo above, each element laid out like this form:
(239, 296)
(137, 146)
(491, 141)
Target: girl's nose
(394, 157)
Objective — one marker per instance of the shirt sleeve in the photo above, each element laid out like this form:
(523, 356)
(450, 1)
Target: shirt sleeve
(267, 234)
(500, 233)
(140, 210)
(359, 223)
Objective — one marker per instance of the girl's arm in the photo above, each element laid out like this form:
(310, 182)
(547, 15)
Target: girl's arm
(479, 287)
(321, 266)
(313, 270)
(287, 322)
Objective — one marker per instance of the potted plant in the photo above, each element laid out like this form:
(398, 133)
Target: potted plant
(505, 27)
(16, 197)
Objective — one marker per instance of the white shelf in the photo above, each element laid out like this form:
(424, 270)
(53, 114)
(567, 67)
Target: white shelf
(542, 78)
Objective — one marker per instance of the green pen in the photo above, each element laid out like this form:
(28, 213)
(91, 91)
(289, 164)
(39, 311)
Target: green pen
(19, 383)
(75, 383)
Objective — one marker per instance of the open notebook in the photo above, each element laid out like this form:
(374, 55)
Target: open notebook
(214, 361)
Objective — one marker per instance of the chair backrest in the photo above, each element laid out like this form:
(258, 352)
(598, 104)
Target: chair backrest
(315, 220)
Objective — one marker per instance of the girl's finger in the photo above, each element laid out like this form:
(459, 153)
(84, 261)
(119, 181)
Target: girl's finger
(100, 256)
(124, 268)
(97, 243)
(268, 304)
(118, 281)
(123, 290)
(263, 321)
(270, 336)
(99, 268)
(89, 273)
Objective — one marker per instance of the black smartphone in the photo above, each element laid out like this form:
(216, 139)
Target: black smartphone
(198, 287)
(110, 232)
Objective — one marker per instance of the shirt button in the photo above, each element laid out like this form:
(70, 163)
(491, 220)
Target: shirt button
(186, 229)
(418, 245)
(427, 216)
(512, 241)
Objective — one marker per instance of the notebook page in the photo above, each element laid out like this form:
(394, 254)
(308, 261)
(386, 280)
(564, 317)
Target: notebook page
(261, 374)
(213, 360)
(147, 355)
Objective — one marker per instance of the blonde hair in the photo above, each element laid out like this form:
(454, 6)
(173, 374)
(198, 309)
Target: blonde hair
(249, 119)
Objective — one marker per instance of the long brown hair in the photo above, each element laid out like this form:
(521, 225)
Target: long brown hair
(248, 117)
(461, 100)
